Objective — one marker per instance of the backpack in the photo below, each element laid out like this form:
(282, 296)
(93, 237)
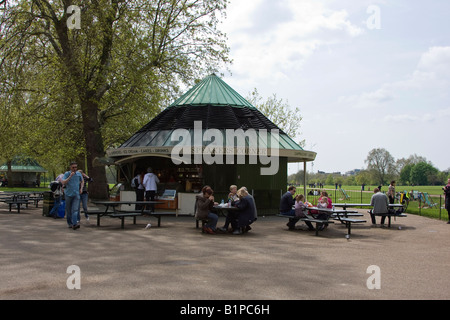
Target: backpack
(55, 186)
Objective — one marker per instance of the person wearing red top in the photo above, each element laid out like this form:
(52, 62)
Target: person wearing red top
(325, 194)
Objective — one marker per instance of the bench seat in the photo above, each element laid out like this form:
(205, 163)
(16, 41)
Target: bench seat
(123, 214)
(317, 222)
(135, 213)
(348, 222)
(390, 215)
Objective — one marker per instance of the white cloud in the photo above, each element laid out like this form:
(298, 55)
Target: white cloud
(437, 60)
(444, 113)
(431, 75)
(270, 44)
(405, 118)
(367, 99)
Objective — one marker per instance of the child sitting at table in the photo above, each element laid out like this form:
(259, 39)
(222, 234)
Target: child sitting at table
(325, 194)
(300, 207)
(323, 203)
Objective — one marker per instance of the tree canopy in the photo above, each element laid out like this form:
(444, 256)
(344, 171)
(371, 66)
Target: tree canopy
(78, 87)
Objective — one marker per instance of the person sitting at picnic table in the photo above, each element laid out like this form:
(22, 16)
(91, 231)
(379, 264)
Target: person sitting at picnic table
(300, 208)
(233, 198)
(205, 204)
(380, 203)
(246, 214)
(233, 194)
(323, 203)
(286, 204)
(329, 201)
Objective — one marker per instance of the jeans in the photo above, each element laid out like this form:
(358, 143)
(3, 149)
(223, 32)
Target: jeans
(213, 218)
(54, 211)
(73, 209)
(84, 201)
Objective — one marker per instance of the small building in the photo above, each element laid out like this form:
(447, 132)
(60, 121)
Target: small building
(212, 136)
(25, 170)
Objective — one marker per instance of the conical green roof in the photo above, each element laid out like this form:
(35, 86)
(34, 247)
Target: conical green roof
(23, 164)
(212, 91)
(215, 105)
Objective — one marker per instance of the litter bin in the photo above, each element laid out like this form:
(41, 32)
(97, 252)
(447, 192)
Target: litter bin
(49, 201)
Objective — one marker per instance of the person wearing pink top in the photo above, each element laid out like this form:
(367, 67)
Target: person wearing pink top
(325, 194)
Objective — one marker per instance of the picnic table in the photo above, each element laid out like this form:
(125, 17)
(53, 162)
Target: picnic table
(17, 202)
(224, 209)
(388, 214)
(341, 215)
(18, 199)
(124, 214)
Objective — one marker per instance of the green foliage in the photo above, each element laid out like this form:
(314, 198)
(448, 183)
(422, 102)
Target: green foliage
(279, 112)
(423, 174)
(381, 164)
(68, 92)
(405, 174)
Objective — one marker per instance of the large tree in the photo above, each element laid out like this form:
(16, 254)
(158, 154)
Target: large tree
(105, 66)
(423, 173)
(381, 164)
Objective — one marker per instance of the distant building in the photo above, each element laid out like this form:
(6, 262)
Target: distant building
(26, 171)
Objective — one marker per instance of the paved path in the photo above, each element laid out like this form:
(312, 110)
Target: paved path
(177, 261)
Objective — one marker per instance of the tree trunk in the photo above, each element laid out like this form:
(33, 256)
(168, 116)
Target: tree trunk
(10, 175)
(98, 189)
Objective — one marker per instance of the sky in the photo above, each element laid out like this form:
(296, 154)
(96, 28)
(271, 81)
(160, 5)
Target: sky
(364, 74)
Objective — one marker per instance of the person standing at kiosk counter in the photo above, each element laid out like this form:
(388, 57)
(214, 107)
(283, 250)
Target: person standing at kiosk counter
(150, 184)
